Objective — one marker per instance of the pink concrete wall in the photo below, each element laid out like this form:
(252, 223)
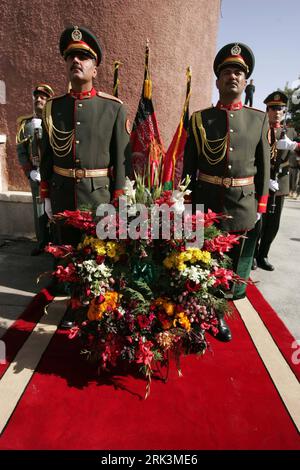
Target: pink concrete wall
(181, 33)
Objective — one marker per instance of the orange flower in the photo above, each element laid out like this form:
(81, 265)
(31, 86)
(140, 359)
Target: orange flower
(109, 304)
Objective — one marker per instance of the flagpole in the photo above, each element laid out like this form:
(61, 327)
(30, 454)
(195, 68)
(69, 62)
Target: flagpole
(116, 78)
(185, 107)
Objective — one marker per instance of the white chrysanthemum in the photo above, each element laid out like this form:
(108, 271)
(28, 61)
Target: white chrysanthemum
(90, 270)
(198, 275)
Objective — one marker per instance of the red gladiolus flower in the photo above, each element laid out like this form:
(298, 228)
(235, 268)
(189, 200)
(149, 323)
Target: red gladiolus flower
(144, 355)
(222, 243)
(223, 276)
(66, 274)
(59, 251)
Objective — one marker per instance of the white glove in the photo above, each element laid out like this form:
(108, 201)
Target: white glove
(48, 208)
(258, 216)
(35, 176)
(286, 144)
(273, 185)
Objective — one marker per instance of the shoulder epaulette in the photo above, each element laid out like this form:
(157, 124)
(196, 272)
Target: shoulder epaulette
(21, 123)
(20, 119)
(204, 109)
(254, 109)
(108, 97)
(56, 97)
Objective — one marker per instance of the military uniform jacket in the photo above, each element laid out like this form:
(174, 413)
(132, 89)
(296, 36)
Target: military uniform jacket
(282, 157)
(27, 150)
(84, 131)
(247, 153)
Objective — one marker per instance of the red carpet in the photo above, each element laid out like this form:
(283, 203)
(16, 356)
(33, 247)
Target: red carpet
(16, 336)
(225, 400)
(275, 326)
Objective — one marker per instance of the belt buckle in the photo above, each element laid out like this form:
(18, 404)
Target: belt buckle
(226, 182)
(79, 173)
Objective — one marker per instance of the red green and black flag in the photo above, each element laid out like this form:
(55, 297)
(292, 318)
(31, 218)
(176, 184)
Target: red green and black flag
(173, 163)
(146, 142)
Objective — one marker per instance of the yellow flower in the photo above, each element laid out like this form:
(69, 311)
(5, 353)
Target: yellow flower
(99, 247)
(183, 320)
(199, 255)
(181, 266)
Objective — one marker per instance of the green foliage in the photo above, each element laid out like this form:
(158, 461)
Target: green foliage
(293, 108)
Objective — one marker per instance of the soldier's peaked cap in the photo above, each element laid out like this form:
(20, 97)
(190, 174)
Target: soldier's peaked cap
(79, 38)
(43, 88)
(277, 98)
(236, 54)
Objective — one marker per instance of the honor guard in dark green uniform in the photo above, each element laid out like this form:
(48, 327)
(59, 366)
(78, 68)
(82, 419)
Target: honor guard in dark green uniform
(28, 139)
(87, 152)
(276, 104)
(227, 156)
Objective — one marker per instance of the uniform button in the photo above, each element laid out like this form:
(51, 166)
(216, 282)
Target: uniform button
(77, 160)
(80, 105)
(78, 122)
(78, 180)
(231, 130)
(231, 149)
(229, 167)
(77, 141)
(231, 115)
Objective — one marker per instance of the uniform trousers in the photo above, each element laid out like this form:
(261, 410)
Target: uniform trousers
(294, 175)
(269, 226)
(242, 257)
(40, 217)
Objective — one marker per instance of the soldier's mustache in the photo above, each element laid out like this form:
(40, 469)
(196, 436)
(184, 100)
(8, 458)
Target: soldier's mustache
(76, 67)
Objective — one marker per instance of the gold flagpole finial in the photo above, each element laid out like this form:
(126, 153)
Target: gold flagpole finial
(147, 79)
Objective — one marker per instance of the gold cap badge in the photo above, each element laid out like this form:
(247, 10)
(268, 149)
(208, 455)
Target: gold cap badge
(76, 34)
(236, 50)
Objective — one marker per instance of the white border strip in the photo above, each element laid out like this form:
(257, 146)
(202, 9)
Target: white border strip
(17, 376)
(283, 377)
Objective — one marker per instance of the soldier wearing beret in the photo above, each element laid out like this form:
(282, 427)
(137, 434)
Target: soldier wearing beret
(29, 135)
(227, 156)
(278, 136)
(87, 151)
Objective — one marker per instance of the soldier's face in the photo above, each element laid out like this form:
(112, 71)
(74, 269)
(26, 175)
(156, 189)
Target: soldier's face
(81, 68)
(39, 101)
(275, 114)
(231, 82)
